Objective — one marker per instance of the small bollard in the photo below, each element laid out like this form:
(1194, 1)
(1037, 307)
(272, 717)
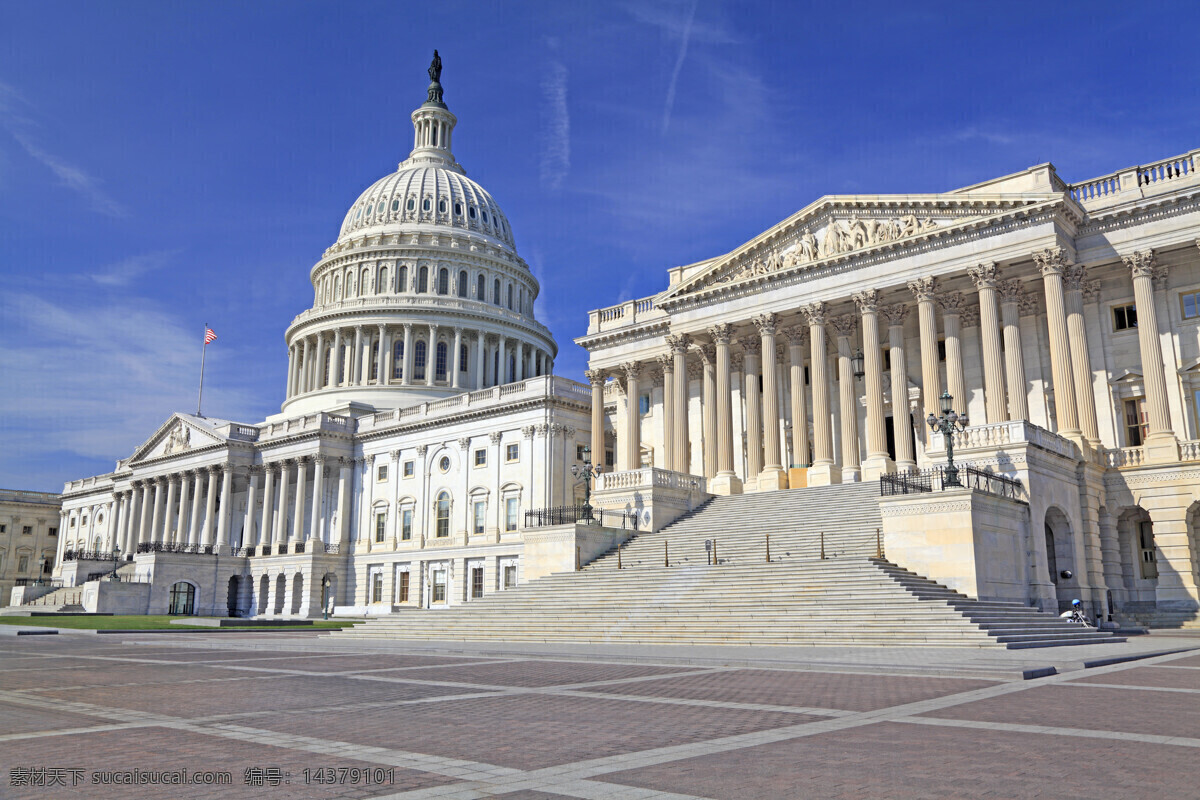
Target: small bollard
(878, 545)
(577, 559)
(618, 555)
(666, 557)
(768, 548)
(822, 545)
(715, 561)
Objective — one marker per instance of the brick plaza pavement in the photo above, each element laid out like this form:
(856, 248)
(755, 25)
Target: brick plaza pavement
(260, 711)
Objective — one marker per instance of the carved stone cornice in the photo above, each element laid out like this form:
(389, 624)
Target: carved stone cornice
(923, 289)
(814, 313)
(867, 301)
(895, 313)
(1051, 261)
(985, 275)
(766, 324)
(721, 333)
(844, 324)
(953, 303)
(679, 343)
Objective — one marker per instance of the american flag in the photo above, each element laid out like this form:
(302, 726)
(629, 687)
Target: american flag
(209, 335)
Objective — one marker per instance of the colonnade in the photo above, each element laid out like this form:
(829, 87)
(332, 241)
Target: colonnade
(999, 304)
(407, 355)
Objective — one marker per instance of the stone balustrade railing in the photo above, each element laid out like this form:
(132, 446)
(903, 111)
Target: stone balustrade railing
(544, 386)
(21, 496)
(1135, 181)
(1189, 450)
(631, 312)
(650, 477)
(997, 435)
(1124, 457)
(308, 422)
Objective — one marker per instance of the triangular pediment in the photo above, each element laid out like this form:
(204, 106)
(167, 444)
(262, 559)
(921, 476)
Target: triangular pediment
(177, 435)
(1126, 377)
(845, 226)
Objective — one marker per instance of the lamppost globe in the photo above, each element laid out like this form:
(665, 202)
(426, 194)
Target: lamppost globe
(946, 402)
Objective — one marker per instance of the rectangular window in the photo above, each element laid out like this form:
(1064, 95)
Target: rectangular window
(377, 587)
(463, 356)
(439, 586)
(806, 378)
(1124, 317)
(4, 529)
(409, 469)
(610, 459)
(23, 564)
(481, 458)
(510, 513)
(406, 524)
(1189, 302)
(1149, 557)
(476, 582)
(579, 454)
(27, 530)
(510, 575)
(381, 474)
(380, 526)
(480, 515)
(941, 349)
(49, 531)
(1137, 423)
(644, 404)
(402, 591)
(512, 452)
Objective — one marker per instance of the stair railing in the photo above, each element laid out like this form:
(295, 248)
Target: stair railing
(666, 555)
(768, 548)
(822, 545)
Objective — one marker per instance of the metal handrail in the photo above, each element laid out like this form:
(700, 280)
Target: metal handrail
(574, 515)
(933, 479)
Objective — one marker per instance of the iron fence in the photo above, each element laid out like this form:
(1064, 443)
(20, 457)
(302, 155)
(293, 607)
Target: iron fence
(574, 515)
(90, 555)
(171, 547)
(55, 582)
(934, 480)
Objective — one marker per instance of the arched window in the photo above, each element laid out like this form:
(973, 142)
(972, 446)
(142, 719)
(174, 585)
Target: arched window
(425, 204)
(463, 354)
(440, 364)
(374, 370)
(510, 297)
(512, 369)
(443, 281)
(441, 206)
(462, 283)
(183, 599)
(458, 209)
(423, 280)
(328, 362)
(337, 288)
(403, 287)
(398, 360)
(471, 212)
(419, 361)
(443, 515)
(496, 291)
(481, 288)
(411, 204)
(395, 205)
(383, 281)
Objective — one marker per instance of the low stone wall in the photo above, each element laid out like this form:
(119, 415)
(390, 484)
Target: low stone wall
(554, 549)
(115, 597)
(19, 595)
(656, 496)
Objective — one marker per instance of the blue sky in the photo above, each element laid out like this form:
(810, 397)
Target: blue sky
(167, 164)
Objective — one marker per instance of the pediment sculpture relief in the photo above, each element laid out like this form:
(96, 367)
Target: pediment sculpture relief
(180, 439)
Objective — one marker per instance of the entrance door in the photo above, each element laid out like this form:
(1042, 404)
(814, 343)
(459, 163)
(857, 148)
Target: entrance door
(1146, 549)
(438, 586)
(183, 600)
(231, 598)
(476, 582)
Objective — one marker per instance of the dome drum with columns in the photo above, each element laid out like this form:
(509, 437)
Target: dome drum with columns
(423, 295)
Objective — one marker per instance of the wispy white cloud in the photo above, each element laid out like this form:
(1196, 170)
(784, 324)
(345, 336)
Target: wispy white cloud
(685, 35)
(666, 16)
(16, 119)
(556, 126)
(123, 272)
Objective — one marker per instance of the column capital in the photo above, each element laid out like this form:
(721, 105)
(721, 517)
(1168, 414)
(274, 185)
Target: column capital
(721, 333)
(895, 313)
(1074, 277)
(422, 449)
(632, 370)
(986, 275)
(1010, 291)
(1091, 291)
(319, 459)
(708, 352)
(752, 347)
(254, 470)
(494, 437)
(527, 431)
(464, 443)
(174, 478)
(213, 469)
(270, 467)
(795, 334)
(766, 324)
(458, 330)
(953, 303)
(679, 342)
(867, 301)
(924, 289)
(596, 377)
(970, 316)
(359, 329)
(407, 327)
(1159, 276)
(1051, 261)
(844, 324)
(814, 313)
(666, 363)
(1140, 263)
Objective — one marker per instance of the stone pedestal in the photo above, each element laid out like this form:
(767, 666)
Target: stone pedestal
(725, 483)
(1161, 448)
(772, 479)
(824, 474)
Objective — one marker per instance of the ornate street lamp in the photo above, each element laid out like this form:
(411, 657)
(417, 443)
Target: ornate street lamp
(948, 424)
(588, 472)
(856, 364)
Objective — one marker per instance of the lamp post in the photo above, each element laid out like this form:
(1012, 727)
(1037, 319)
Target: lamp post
(948, 424)
(325, 596)
(588, 472)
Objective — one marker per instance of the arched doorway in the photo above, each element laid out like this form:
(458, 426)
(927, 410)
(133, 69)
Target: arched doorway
(231, 597)
(297, 592)
(183, 599)
(280, 591)
(329, 587)
(264, 587)
(1139, 557)
(1060, 557)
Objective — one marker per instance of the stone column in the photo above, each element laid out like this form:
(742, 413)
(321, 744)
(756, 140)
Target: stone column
(355, 363)
(345, 478)
(314, 532)
(796, 337)
(225, 514)
(995, 397)
(364, 365)
(281, 518)
(878, 461)
(708, 409)
(901, 416)
(925, 292)
(633, 417)
(335, 360)
(407, 366)
(519, 362)
(752, 395)
(596, 378)
(169, 522)
(265, 527)
(679, 345)
(1052, 262)
(822, 472)
(157, 520)
(1110, 556)
(481, 360)
(194, 518)
(210, 508)
(726, 480)
(502, 363)
(1074, 278)
(182, 520)
(952, 308)
(847, 396)
(320, 377)
(381, 357)
(305, 368)
(772, 475)
(1160, 445)
(1014, 359)
(116, 520)
(667, 364)
(297, 532)
(457, 359)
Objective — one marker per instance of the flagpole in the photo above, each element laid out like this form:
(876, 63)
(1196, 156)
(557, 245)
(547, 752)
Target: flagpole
(203, 353)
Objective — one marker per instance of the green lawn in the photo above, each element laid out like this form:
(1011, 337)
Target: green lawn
(146, 622)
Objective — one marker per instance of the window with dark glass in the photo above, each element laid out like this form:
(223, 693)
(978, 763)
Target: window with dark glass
(423, 280)
(444, 281)
(440, 365)
(419, 361)
(462, 283)
(1124, 317)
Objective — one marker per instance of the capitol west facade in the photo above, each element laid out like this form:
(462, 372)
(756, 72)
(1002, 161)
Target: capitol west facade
(422, 418)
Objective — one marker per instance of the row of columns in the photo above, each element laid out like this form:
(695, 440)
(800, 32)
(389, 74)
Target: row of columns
(1000, 304)
(353, 360)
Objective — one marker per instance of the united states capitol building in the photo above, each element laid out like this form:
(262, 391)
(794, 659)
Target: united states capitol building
(423, 438)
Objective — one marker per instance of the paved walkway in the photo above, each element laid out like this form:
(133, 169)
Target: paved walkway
(259, 716)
